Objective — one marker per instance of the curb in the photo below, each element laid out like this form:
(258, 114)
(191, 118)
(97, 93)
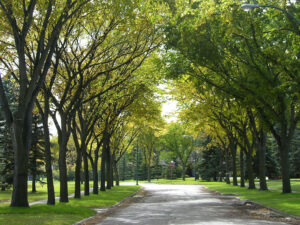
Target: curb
(110, 207)
(272, 209)
(244, 202)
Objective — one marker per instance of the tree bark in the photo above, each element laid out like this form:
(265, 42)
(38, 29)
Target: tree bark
(111, 173)
(103, 169)
(234, 173)
(86, 174)
(285, 165)
(149, 173)
(47, 152)
(242, 169)
(227, 178)
(183, 171)
(250, 171)
(109, 178)
(21, 139)
(123, 167)
(116, 172)
(33, 188)
(234, 169)
(95, 175)
(262, 142)
(63, 138)
(78, 173)
(108, 168)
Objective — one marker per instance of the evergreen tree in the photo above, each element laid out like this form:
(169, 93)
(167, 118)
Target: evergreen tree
(6, 148)
(211, 165)
(6, 157)
(36, 154)
(295, 155)
(272, 159)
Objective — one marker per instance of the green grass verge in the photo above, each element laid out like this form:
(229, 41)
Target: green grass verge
(64, 213)
(5, 196)
(288, 203)
(277, 184)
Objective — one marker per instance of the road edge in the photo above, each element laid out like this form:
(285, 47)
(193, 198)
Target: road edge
(108, 210)
(245, 201)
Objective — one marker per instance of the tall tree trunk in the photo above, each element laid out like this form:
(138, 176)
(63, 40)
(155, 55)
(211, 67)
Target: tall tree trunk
(220, 172)
(116, 172)
(242, 169)
(111, 173)
(285, 165)
(227, 178)
(95, 175)
(78, 173)
(234, 169)
(63, 137)
(103, 169)
(47, 151)
(21, 139)
(148, 172)
(48, 167)
(262, 159)
(183, 171)
(234, 172)
(33, 187)
(78, 161)
(124, 167)
(250, 170)
(108, 169)
(86, 174)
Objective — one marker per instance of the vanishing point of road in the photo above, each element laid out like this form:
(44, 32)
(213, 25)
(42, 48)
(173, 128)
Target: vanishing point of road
(182, 204)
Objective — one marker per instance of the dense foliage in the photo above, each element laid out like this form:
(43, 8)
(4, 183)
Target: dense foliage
(96, 68)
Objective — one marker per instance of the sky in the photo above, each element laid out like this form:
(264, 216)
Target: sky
(169, 110)
(169, 107)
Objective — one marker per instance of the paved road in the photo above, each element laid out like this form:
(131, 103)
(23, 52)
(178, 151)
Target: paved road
(182, 204)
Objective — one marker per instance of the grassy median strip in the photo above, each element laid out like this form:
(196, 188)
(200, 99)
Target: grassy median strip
(65, 213)
(288, 203)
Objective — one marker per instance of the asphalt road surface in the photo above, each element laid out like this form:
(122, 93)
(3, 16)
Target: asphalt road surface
(182, 204)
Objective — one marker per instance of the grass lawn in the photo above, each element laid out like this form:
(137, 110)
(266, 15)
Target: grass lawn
(5, 196)
(64, 213)
(277, 184)
(288, 203)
